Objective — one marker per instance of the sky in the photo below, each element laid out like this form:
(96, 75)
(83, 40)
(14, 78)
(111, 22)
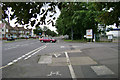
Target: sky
(45, 6)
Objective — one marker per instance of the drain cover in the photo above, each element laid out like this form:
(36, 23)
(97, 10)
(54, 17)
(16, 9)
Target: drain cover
(102, 70)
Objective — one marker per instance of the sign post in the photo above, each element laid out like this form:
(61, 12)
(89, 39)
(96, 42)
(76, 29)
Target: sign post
(110, 37)
(89, 34)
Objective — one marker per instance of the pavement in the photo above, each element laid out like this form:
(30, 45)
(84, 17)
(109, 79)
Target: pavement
(60, 60)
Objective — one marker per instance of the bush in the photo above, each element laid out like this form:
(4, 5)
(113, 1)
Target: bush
(4, 38)
(22, 38)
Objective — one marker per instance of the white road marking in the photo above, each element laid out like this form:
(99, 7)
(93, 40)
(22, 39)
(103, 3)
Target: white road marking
(62, 46)
(70, 67)
(57, 55)
(12, 62)
(34, 53)
(54, 73)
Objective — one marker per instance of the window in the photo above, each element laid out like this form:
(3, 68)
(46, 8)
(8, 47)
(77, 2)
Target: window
(2, 29)
(3, 35)
(6, 30)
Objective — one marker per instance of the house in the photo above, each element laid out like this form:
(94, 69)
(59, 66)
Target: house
(21, 32)
(28, 32)
(2, 30)
(15, 32)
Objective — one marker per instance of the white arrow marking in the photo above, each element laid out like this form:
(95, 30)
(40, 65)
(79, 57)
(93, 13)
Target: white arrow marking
(57, 55)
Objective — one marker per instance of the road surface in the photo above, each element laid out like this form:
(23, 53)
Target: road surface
(33, 59)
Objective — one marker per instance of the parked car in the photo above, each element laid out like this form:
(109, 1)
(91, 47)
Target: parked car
(10, 39)
(47, 39)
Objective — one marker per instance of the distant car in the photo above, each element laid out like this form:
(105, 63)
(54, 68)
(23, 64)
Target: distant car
(47, 39)
(10, 39)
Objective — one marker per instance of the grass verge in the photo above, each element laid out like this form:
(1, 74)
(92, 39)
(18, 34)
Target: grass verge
(75, 40)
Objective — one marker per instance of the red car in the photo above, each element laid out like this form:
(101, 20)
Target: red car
(47, 39)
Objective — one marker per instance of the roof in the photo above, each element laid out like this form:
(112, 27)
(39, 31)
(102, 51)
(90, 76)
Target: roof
(16, 28)
(2, 25)
(28, 29)
(20, 28)
(9, 27)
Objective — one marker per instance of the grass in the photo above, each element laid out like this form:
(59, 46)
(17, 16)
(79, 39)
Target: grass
(75, 40)
(104, 41)
(87, 41)
(8, 41)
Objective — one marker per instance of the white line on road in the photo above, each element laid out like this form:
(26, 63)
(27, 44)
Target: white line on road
(37, 50)
(70, 67)
(62, 46)
(34, 53)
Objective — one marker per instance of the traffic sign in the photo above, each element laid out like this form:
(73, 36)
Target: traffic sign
(89, 33)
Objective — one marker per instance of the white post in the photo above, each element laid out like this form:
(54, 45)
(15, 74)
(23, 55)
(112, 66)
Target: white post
(94, 38)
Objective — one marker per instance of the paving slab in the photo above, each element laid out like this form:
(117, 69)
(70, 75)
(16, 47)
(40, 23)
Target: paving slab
(82, 61)
(74, 51)
(102, 70)
(62, 61)
(45, 60)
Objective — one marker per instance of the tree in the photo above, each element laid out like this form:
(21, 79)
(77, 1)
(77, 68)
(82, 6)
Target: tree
(79, 16)
(37, 30)
(45, 29)
(110, 12)
(24, 11)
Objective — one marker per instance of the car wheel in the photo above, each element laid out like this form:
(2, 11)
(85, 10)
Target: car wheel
(42, 41)
(51, 41)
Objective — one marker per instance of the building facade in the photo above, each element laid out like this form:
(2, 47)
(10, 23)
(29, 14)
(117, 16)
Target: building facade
(16, 32)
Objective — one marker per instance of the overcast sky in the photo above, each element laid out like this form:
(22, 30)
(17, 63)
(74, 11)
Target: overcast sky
(45, 6)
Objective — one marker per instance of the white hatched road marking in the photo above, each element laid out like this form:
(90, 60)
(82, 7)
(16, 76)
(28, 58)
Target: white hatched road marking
(70, 67)
(37, 50)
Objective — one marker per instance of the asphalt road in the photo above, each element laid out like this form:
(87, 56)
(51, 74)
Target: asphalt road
(13, 50)
(60, 60)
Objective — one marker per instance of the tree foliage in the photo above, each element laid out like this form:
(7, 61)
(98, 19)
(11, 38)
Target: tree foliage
(110, 12)
(46, 31)
(79, 16)
(24, 11)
